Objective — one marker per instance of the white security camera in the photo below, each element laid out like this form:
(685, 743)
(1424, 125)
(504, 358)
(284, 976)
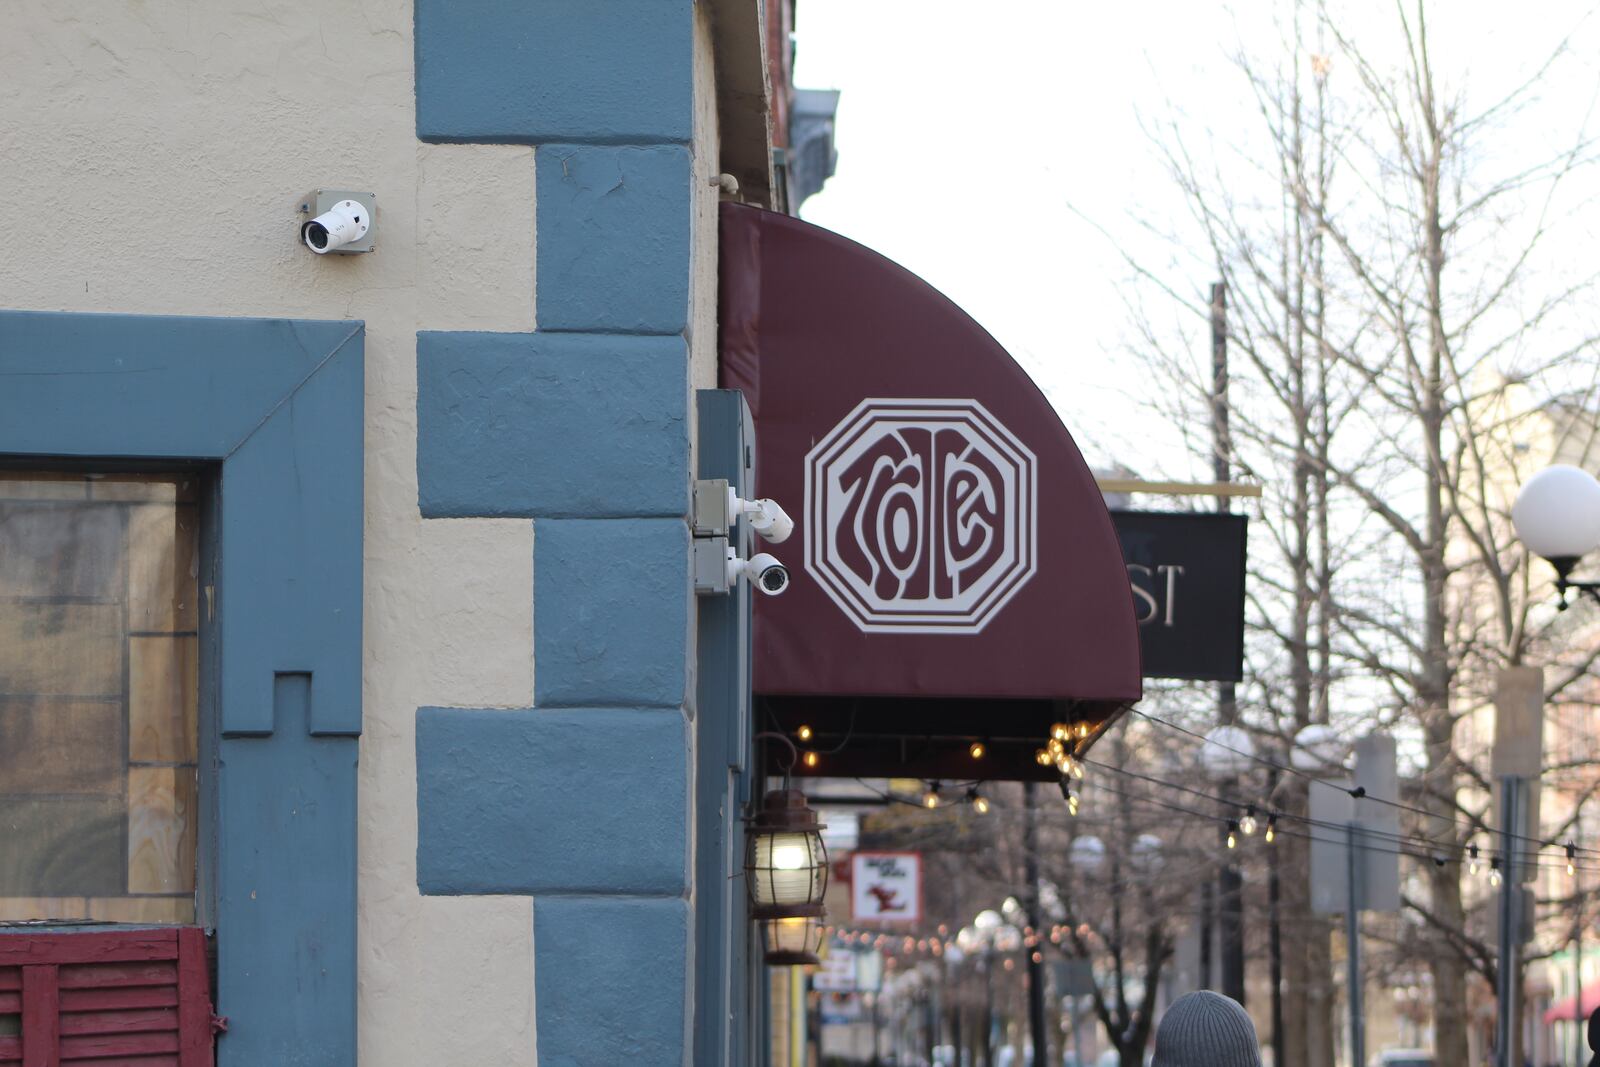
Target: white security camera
(763, 571)
(766, 517)
(345, 222)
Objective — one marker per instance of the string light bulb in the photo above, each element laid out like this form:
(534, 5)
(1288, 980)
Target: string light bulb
(1572, 859)
(1068, 796)
(1060, 732)
(811, 759)
(980, 803)
(1473, 865)
(1248, 823)
(804, 733)
(930, 799)
(1083, 730)
(977, 750)
(1272, 829)
(1043, 758)
(1233, 834)
(1494, 872)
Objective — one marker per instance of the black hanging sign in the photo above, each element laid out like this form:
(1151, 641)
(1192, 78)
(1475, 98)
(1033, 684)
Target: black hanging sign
(1187, 572)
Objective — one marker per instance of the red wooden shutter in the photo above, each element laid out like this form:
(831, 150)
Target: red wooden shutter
(114, 998)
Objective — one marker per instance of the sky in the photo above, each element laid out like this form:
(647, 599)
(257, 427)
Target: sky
(1000, 150)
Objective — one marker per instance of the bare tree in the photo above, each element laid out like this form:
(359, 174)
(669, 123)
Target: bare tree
(1389, 279)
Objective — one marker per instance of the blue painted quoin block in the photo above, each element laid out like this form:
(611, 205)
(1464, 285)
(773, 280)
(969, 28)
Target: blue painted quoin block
(549, 425)
(614, 238)
(610, 981)
(535, 71)
(611, 612)
(579, 800)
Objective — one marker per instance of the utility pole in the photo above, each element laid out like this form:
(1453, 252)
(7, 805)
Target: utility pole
(1030, 854)
(988, 1005)
(1230, 904)
(1517, 759)
(1275, 938)
(1577, 946)
(1355, 878)
(1505, 1030)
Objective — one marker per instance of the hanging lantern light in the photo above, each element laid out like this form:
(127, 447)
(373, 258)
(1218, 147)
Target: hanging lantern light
(787, 863)
(793, 938)
(787, 871)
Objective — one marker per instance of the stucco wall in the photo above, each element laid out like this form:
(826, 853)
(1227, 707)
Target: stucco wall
(160, 151)
(703, 293)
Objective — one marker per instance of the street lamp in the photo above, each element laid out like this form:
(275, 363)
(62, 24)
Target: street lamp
(1228, 752)
(989, 934)
(1317, 748)
(1557, 515)
(1087, 853)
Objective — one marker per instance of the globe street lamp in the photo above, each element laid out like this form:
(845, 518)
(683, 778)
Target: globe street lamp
(988, 934)
(1557, 516)
(1318, 748)
(1088, 853)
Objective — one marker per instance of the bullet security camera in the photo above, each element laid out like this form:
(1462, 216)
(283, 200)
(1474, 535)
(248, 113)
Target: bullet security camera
(766, 517)
(763, 571)
(344, 223)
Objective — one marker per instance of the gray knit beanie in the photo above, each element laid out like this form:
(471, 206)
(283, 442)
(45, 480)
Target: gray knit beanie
(1206, 1029)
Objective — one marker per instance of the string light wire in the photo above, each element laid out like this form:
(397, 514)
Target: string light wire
(1357, 791)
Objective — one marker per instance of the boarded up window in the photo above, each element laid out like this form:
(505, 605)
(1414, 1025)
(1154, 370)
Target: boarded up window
(99, 682)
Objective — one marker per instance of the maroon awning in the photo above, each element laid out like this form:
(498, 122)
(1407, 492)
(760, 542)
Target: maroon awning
(956, 574)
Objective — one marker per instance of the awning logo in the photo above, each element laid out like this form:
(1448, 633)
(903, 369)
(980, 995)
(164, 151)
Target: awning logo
(921, 515)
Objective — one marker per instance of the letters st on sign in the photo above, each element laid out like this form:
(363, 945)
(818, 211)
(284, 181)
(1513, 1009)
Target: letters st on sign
(1187, 574)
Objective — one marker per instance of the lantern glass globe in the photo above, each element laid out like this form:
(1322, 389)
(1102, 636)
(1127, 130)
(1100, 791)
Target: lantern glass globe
(792, 940)
(787, 868)
(1557, 513)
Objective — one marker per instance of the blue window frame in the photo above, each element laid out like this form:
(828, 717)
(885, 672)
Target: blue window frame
(274, 408)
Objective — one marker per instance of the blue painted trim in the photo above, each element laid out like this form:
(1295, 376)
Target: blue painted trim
(610, 981)
(507, 801)
(727, 960)
(552, 425)
(510, 71)
(275, 405)
(614, 228)
(611, 612)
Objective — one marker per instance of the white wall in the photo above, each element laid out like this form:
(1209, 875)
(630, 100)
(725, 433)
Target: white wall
(703, 290)
(152, 155)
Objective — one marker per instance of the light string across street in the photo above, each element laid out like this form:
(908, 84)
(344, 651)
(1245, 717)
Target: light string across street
(1354, 792)
(1245, 817)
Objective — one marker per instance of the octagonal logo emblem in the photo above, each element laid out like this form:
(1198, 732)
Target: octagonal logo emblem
(921, 515)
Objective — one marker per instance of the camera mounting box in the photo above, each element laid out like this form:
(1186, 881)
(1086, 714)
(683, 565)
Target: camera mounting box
(319, 201)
